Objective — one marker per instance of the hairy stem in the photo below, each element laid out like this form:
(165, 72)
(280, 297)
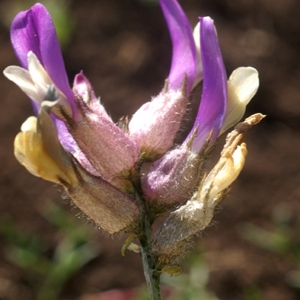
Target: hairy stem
(151, 274)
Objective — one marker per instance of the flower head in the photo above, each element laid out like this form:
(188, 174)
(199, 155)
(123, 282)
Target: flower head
(74, 142)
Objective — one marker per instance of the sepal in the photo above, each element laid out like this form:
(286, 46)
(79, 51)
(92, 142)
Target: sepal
(154, 126)
(108, 148)
(108, 207)
(171, 180)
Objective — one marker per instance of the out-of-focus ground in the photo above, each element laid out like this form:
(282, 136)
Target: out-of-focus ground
(124, 49)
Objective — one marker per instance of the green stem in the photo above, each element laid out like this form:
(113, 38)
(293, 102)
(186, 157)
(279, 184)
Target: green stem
(151, 274)
(152, 277)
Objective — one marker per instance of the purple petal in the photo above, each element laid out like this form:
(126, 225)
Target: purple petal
(184, 50)
(33, 30)
(65, 137)
(69, 144)
(214, 96)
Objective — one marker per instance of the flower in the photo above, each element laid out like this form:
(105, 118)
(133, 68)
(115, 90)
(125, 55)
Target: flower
(33, 31)
(36, 45)
(155, 125)
(52, 146)
(174, 177)
(172, 239)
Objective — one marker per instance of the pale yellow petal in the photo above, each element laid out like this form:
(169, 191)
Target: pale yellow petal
(30, 153)
(29, 124)
(23, 80)
(242, 86)
(229, 173)
(38, 74)
(38, 149)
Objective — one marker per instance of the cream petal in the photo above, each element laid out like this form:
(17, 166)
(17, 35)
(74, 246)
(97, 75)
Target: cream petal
(199, 68)
(245, 82)
(38, 74)
(29, 124)
(22, 78)
(229, 173)
(242, 86)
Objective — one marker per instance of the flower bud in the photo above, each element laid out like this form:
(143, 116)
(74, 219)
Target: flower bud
(154, 126)
(172, 179)
(110, 150)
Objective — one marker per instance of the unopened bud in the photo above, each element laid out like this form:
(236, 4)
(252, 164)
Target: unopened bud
(172, 179)
(154, 126)
(110, 150)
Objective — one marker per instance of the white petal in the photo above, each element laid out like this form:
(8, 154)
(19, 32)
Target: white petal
(196, 34)
(242, 86)
(38, 74)
(22, 78)
(245, 82)
(199, 69)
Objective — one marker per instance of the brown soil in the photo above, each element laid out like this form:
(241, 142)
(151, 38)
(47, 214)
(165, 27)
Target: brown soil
(124, 49)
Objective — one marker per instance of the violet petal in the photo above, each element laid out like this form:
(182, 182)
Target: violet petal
(33, 30)
(184, 50)
(214, 95)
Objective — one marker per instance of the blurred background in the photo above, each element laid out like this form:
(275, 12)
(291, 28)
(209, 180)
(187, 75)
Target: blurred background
(252, 251)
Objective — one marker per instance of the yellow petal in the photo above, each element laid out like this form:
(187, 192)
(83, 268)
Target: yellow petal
(38, 149)
(29, 151)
